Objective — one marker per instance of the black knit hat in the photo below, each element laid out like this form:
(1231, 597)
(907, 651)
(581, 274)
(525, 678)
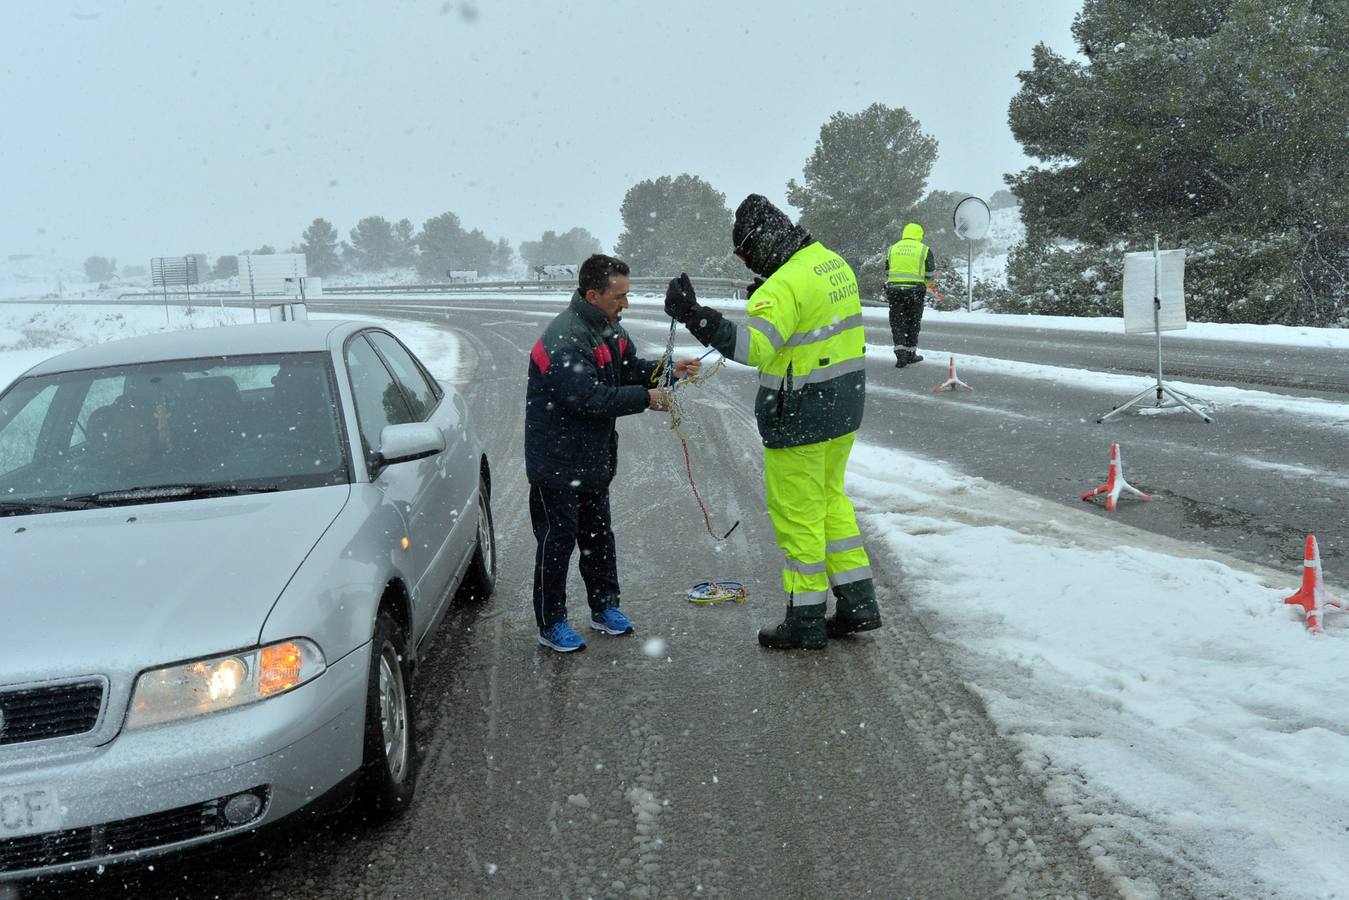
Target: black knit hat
(755, 218)
(765, 236)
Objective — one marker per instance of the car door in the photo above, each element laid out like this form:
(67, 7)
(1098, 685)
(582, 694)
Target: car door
(415, 488)
(457, 466)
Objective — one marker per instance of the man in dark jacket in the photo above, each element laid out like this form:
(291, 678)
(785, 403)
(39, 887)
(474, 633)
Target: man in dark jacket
(583, 375)
(803, 332)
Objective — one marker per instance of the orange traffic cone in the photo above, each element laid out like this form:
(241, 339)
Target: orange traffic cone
(1312, 595)
(1115, 483)
(951, 381)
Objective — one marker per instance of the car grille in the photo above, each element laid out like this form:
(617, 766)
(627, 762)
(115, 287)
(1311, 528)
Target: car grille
(50, 711)
(76, 845)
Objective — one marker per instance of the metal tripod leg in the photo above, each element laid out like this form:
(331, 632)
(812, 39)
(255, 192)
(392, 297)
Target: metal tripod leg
(1123, 406)
(1180, 397)
(1184, 400)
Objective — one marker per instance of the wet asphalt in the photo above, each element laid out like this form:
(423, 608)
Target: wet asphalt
(684, 761)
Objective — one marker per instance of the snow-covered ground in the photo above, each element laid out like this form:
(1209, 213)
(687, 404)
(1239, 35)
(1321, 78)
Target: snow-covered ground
(1166, 692)
(1163, 690)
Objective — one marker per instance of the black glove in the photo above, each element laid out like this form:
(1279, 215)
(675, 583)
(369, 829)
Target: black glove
(681, 304)
(758, 283)
(680, 301)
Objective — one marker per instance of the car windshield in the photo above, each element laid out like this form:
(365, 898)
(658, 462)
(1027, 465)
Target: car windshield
(196, 427)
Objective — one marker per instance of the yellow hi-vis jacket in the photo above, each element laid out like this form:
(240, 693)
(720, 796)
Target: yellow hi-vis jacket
(804, 335)
(910, 258)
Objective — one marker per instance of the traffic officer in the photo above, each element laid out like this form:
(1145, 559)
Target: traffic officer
(804, 335)
(911, 265)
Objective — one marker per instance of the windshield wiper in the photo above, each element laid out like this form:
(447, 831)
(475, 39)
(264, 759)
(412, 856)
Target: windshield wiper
(187, 491)
(42, 504)
(150, 493)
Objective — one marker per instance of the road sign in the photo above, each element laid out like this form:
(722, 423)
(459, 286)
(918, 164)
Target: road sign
(972, 219)
(174, 271)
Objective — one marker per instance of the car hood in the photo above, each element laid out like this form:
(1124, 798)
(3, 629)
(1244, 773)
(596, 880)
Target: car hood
(117, 590)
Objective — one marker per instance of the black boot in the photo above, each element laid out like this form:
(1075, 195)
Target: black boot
(854, 613)
(803, 629)
(914, 357)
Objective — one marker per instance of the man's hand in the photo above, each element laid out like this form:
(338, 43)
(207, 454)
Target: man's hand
(656, 400)
(687, 366)
(680, 301)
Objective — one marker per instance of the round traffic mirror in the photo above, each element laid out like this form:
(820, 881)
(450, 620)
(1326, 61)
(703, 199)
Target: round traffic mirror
(972, 218)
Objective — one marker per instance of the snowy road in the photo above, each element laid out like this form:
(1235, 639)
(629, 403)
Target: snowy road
(706, 767)
(703, 767)
(1271, 469)
(1304, 370)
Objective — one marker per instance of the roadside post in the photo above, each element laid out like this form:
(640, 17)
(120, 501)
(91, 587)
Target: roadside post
(1154, 300)
(971, 219)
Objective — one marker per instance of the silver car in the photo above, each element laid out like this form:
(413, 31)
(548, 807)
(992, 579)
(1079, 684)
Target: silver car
(222, 552)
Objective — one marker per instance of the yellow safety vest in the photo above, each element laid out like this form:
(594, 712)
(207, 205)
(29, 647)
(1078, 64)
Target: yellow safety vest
(908, 262)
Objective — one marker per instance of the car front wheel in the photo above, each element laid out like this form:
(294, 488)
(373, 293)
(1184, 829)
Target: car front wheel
(389, 769)
(481, 578)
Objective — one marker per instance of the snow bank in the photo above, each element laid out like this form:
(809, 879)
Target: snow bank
(1174, 702)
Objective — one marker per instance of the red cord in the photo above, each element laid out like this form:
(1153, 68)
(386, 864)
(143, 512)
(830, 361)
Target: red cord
(707, 520)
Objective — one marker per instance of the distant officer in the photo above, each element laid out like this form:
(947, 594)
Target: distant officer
(803, 332)
(911, 265)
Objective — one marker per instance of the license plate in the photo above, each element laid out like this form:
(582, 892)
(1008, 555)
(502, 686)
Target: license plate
(28, 810)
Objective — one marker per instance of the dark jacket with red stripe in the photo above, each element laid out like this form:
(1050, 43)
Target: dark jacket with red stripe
(583, 374)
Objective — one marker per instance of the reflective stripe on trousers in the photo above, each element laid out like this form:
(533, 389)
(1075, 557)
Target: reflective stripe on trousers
(813, 519)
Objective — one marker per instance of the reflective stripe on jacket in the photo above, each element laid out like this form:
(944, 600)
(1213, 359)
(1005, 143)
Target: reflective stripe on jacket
(910, 258)
(804, 335)
(583, 374)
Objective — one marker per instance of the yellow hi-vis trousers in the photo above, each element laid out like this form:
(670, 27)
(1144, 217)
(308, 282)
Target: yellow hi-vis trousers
(814, 520)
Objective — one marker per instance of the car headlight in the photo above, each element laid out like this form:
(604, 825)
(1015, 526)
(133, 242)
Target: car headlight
(210, 685)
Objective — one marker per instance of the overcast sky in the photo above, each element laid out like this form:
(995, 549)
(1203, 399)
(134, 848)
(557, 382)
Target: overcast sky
(137, 129)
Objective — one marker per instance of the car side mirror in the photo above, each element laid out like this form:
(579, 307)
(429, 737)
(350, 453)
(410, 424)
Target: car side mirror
(405, 443)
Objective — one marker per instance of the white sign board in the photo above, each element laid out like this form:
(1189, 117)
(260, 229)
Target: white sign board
(271, 273)
(1147, 276)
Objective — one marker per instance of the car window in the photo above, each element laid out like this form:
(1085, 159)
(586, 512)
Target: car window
(379, 401)
(179, 423)
(21, 417)
(102, 391)
(419, 391)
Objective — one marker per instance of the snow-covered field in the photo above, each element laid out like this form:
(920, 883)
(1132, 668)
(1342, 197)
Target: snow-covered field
(1163, 690)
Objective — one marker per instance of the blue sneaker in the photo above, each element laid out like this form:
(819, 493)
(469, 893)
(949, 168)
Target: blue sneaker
(562, 638)
(610, 621)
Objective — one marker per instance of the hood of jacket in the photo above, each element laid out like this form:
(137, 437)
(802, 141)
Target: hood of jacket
(912, 232)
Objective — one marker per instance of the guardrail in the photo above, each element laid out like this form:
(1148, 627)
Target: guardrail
(710, 286)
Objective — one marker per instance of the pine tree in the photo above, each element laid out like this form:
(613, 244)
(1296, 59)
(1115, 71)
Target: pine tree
(672, 225)
(438, 245)
(99, 268)
(373, 244)
(861, 182)
(225, 267)
(319, 245)
(476, 252)
(405, 243)
(570, 248)
(503, 259)
(1219, 124)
